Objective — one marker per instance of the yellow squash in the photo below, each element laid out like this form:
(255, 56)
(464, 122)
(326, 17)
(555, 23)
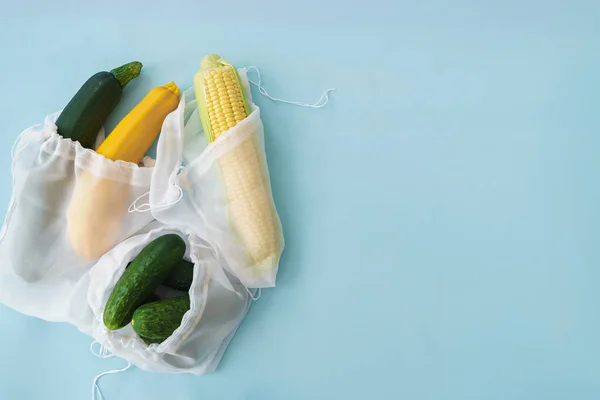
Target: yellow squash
(134, 135)
(98, 205)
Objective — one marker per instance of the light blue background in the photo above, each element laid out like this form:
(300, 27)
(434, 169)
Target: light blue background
(441, 213)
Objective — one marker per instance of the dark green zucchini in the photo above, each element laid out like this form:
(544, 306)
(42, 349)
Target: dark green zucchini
(146, 272)
(155, 322)
(181, 276)
(86, 113)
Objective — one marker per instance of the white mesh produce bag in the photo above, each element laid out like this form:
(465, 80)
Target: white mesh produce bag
(75, 221)
(68, 207)
(218, 304)
(224, 191)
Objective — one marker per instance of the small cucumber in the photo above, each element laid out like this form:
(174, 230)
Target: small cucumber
(149, 341)
(154, 322)
(181, 276)
(83, 117)
(152, 298)
(146, 272)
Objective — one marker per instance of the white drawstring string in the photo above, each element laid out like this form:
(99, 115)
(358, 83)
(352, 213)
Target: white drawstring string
(14, 153)
(145, 207)
(320, 103)
(103, 352)
(259, 293)
(96, 388)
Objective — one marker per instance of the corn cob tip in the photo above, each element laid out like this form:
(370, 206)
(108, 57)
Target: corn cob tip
(212, 61)
(173, 88)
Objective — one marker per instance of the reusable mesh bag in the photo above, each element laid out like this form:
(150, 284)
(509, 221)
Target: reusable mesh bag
(224, 191)
(68, 207)
(218, 304)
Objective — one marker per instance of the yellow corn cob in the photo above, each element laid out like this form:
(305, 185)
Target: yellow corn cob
(221, 93)
(251, 212)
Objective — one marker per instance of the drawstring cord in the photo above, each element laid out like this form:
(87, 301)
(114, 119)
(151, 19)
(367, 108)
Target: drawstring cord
(103, 353)
(145, 207)
(252, 296)
(323, 100)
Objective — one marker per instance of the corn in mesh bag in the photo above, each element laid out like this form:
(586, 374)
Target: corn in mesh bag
(225, 183)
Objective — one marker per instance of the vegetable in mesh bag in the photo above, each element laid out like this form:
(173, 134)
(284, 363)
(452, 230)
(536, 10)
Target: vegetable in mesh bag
(185, 333)
(222, 105)
(147, 271)
(98, 205)
(155, 322)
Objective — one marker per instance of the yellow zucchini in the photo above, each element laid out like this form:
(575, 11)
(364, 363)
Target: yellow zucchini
(134, 135)
(98, 205)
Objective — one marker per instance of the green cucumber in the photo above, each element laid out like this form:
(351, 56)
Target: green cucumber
(146, 272)
(181, 276)
(149, 341)
(152, 298)
(86, 113)
(154, 322)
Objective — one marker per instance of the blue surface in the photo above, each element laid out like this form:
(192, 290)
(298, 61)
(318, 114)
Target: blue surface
(441, 214)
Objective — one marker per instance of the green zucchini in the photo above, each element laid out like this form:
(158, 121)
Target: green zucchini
(154, 322)
(86, 113)
(146, 272)
(181, 276)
